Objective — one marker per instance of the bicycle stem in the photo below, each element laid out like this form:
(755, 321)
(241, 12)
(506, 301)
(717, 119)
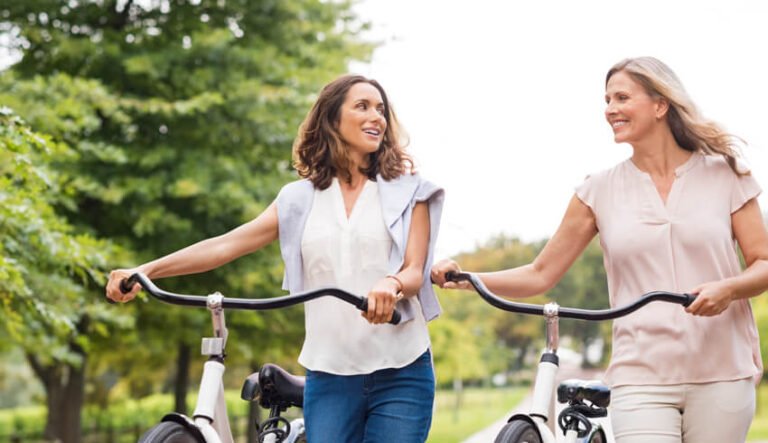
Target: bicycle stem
(214, 346)
(553, 326)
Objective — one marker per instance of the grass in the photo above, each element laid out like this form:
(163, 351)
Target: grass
(479, 408)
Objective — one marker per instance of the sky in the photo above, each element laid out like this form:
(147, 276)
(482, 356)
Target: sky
(504, 100)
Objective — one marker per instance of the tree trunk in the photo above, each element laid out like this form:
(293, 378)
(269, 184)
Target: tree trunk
(182, 378)
(458, 390)
(65, 393)
(519, 362)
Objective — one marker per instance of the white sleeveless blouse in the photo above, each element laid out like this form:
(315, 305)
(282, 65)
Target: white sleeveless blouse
(352, 254)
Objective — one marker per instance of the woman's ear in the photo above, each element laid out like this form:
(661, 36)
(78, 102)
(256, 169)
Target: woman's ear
(662, 107)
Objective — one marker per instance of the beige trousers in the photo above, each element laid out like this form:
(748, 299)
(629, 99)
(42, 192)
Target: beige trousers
(718, 412)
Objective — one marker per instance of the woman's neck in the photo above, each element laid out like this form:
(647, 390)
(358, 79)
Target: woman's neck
(356, 180)
(659, 155)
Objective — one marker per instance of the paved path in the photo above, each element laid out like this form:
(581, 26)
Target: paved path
(566, 371)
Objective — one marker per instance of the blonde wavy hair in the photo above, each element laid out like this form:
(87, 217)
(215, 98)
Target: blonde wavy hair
(691, 130)
(320, 154)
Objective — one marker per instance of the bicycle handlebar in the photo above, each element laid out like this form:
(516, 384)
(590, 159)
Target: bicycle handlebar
(360, 303)
(581, 314)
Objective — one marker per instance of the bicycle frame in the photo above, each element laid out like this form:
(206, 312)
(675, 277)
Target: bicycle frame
(210, 421)
(544, 385)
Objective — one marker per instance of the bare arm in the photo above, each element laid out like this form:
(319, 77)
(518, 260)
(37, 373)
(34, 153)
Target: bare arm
(204, 255)
(750, 233)
(382, 298)
(576, 230)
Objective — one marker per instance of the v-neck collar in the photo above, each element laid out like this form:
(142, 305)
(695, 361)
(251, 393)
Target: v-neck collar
(692, 161)
(666, 207)
(338, 197)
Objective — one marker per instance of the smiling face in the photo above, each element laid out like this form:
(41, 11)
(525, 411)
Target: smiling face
(631, 112)
(361, 120)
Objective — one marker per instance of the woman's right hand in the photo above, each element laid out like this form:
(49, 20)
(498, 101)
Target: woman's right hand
(113, 285)
(438, 275)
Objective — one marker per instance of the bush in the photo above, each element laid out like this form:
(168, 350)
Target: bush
(127, 414)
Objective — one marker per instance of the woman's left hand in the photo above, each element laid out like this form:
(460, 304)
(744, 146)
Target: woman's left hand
(381, 301)
(711, 299)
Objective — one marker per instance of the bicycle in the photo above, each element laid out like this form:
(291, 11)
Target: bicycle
(586, 400)
(273, 387)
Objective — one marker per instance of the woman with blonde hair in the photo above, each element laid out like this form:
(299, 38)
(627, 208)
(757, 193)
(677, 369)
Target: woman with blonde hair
(362, 220)
(667, 218)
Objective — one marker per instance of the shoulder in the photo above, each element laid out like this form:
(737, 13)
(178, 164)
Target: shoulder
(413, 185)
(295, 190)
(605, 175)
(718, 164)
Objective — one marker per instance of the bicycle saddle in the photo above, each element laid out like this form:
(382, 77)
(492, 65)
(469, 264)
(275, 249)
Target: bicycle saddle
(576, 391)
(274, 386)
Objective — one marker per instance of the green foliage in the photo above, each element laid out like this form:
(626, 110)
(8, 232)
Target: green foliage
(129, 413)
(511, 336)
(45, 264)
(760, 310)
(502, 341)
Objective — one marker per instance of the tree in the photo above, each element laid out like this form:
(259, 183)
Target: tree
(46, 268)
(516, 332)
(208, 95)
(584, 286)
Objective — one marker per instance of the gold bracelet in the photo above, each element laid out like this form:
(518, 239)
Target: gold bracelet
(399, 282)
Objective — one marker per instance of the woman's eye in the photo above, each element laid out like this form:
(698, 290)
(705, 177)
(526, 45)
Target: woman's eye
(362, 106)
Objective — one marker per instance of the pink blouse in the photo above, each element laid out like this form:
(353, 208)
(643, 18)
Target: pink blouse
(648, 246)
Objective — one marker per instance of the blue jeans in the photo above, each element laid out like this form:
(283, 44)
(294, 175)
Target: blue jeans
(388, 405)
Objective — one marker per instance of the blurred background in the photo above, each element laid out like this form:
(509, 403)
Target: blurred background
(131, 128)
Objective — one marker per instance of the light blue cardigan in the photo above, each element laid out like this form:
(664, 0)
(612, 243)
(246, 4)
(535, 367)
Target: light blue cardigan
(398, 197)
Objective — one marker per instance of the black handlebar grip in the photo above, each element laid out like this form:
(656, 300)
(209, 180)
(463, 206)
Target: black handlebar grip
(126, 284)
(690, 298)
(396, 317)
(455, 276)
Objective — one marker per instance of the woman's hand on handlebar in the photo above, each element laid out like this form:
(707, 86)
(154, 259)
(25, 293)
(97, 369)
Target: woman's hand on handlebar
(381, 301)
(439, 270)
(711, 299)
(113, 285)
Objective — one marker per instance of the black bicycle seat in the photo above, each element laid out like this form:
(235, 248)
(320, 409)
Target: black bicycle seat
(274, 386)
(576, 391)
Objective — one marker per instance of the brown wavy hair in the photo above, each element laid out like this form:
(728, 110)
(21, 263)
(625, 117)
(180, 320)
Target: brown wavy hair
(691, 130)
(319, 153)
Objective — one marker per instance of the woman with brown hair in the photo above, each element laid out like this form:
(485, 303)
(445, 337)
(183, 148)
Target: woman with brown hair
(669, 218)
(362, 220)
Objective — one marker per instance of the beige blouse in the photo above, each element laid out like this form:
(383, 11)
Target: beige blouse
(648, 246)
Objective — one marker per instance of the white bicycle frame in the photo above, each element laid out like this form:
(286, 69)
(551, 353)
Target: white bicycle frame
(210, 415)
(544, 386)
